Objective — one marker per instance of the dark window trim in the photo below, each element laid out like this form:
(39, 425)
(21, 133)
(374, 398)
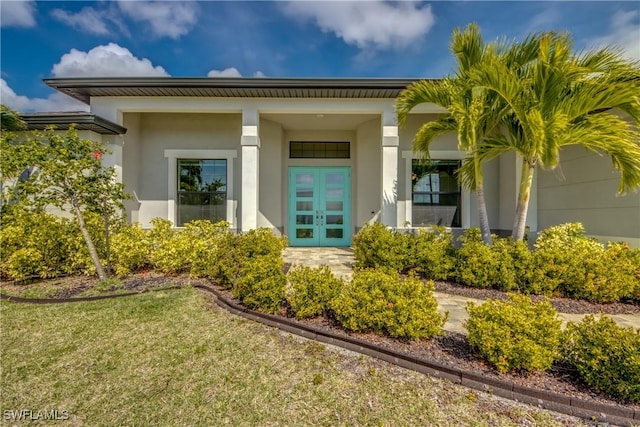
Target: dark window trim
(319, 149)
(219, 194)
(432, 194)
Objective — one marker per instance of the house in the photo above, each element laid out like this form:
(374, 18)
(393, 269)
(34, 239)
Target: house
(315, 159)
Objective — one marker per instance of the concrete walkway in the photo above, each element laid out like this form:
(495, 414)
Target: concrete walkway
(341, 262)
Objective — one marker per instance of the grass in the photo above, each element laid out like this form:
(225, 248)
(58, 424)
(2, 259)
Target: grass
(169, 358)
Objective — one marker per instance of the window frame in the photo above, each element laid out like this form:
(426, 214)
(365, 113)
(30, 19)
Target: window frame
(434, 196)
(211, 194)
(336, 148)
(173, 155)
(465, 196)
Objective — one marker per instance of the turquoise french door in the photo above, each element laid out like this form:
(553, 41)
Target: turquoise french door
(320, 206)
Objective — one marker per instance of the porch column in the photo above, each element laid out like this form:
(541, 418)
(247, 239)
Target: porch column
(250, 169)
(390, 143)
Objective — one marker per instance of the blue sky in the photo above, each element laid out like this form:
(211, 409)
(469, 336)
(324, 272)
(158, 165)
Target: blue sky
(371, 38)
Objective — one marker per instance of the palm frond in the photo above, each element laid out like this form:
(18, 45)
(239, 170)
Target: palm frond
(422, 92)
(430, 131)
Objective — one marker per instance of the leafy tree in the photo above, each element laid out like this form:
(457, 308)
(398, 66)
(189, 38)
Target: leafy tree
(558, 98)
(69, 175)
(473, 113)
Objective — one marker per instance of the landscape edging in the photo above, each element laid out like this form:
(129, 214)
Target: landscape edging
(547, 400)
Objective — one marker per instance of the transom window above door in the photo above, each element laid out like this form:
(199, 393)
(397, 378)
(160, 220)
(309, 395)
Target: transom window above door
(319, 150)
(202, 190)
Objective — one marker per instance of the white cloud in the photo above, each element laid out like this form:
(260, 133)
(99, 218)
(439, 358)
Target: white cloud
(55, 102)
(227, 72)
(625, 34)
(111, 60)
(88, 20)
(18, 13)
(366, 24)
(172, 18)
(231, 72)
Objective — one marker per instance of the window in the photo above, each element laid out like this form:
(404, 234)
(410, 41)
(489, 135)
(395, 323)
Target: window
(435, 193)
(319, 150)
(202, 190)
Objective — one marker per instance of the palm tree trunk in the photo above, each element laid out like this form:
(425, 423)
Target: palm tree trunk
(520, 219)
(87, 239)
(483, 218)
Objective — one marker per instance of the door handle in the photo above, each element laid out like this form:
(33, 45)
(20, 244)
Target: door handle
(317, 217)
(321, 218)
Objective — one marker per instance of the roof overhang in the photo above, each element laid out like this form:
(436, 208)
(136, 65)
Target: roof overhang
(81, 121)
(84, 88)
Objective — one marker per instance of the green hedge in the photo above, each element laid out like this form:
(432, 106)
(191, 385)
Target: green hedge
(516, 334)
(311, 290)
(563, 261)
(606, 356)
(384, 302)
(38, 244)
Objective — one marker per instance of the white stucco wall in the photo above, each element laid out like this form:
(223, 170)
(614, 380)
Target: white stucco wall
(131, 165)
(272, 173)
(182, 131)
(584, 189)
(366, 175)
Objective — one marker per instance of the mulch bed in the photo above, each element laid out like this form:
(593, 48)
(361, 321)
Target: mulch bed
(450, 348)
(563, 305)
(453, 349)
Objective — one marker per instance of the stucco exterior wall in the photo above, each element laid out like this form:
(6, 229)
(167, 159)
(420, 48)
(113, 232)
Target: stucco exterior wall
(366, 173)
(270, 208)
(181, 131)
(131, 165)
(583, 188)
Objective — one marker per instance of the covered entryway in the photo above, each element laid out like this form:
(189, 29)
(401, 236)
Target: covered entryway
(319, 206)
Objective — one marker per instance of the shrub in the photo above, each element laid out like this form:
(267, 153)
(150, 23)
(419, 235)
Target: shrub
(38, 244)
(581, 267)
(433, 253)
(311, 290)
(237, 249)
(130, 249)
(524, 268)
(383, 302)
(206, 250)
(483, 266)
(23, 263)
(606, 356)
(375, 246)
(515, 334)
(225, 272)
(261, 284)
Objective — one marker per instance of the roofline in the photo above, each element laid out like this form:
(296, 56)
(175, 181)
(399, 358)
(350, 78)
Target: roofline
(79, 87)
(65, 120)
(224, 82)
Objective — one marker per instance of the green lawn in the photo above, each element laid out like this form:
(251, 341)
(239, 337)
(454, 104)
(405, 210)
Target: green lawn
(171, 358)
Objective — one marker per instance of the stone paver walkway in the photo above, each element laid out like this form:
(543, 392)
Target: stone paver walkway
(341, 262)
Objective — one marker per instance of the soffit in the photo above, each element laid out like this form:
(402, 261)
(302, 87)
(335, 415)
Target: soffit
(319, 121)
(85, 88)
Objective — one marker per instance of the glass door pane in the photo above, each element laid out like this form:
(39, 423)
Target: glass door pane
(319, 206)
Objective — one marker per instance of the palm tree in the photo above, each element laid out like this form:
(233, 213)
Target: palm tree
(473, 113)
(557, 98)
(10, 120)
